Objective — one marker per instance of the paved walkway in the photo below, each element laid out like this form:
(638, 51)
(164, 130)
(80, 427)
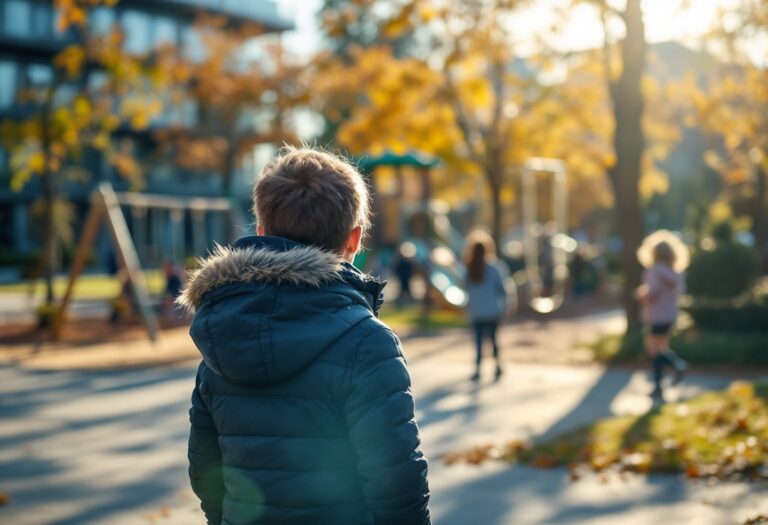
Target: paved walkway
(20, 308)
(80, 447)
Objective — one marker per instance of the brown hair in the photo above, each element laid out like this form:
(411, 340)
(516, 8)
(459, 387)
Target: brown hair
(476, 264)
(480, 248)
(664, 253)
(311, 197)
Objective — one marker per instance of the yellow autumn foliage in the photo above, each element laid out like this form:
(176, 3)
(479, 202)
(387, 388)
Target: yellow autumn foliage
(473, 106)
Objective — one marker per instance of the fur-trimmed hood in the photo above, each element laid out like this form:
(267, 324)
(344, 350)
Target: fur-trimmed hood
(260, 263)
(266, 307)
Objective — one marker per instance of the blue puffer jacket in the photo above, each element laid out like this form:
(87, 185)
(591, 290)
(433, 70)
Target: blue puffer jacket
(302, 410)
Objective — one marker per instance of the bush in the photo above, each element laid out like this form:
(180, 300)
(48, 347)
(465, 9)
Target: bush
(45, 315)
(725, 271)
(750, 316)
(25, 262)
(696, 346)
(746, 313)
(28, 262)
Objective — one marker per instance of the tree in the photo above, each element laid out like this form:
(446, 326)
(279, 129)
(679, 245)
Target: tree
(67, 116)
(465, 95)
(733, 106)
(635, 139)
(461, 93)
(241, 100)
(629, 144)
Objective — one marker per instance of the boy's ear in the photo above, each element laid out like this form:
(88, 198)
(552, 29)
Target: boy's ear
(354, 240)
(259, 230)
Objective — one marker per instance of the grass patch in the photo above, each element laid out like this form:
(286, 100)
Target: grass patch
(721, 435)
(695, 346)
(410, 317)
(87, 287)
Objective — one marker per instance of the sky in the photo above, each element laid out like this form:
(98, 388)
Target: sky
(665, 20)
(306, 38)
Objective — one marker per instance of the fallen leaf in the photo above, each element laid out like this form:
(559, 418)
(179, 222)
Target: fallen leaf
(544, 461)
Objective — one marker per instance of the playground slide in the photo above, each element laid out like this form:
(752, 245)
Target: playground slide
(444, 272)
(440, 259)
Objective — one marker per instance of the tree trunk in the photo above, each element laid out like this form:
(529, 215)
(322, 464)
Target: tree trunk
(496, 210)
(629, 144)
(493, 172)
(229, 162)
(228, 168)
(49, 232)
(759, 226)
(49, 235)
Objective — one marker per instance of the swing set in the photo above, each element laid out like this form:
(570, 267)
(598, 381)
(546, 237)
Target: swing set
(107, 210)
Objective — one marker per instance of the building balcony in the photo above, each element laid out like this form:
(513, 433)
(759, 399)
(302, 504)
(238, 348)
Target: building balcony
(261, 11)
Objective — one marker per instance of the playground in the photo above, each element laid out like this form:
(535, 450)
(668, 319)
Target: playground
(568, 202)
(108, 393)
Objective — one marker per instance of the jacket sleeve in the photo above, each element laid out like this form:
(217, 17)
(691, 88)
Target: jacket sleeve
(509, 290)
(205, 467)
(653, 281)
(379, 411)
(500, 287)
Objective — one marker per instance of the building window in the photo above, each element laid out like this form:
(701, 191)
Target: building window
(65, 94)
(42, 20)
(166, 31)
(101, 20)
(8, 83)
(192, 44)
(17, 17)
(137, 27)
(39, 75)
(4, 159)
(97, 81)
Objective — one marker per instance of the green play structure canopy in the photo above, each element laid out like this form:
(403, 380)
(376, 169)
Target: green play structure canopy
(388, 158)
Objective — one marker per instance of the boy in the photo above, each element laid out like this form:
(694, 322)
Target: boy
(302, 411)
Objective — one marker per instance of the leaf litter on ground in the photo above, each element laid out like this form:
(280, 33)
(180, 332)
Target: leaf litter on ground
(716, 435)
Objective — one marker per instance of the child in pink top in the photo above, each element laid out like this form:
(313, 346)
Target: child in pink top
(662, 287)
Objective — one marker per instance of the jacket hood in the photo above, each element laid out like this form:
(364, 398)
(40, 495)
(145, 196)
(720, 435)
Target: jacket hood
(269, 260)
(265, 307)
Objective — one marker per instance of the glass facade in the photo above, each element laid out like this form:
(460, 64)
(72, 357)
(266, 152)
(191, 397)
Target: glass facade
(8, 82)
(137, 27)
(42, 20)
(145, 32)
(101, 20)
(17, 17)
(29, 39)
(38, 75)
(192, 44)
(27, 19)
(65, 94)
(166, 31)
(98, 80)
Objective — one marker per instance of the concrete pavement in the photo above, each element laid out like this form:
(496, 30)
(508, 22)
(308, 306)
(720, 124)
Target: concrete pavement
(108, 447)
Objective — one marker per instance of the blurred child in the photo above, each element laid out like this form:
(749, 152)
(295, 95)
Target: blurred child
(404, 272)
(174, 283)
(665, 257)
(487, 296)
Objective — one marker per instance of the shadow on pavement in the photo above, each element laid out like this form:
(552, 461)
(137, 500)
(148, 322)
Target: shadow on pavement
(595, 404)
(81, 448)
